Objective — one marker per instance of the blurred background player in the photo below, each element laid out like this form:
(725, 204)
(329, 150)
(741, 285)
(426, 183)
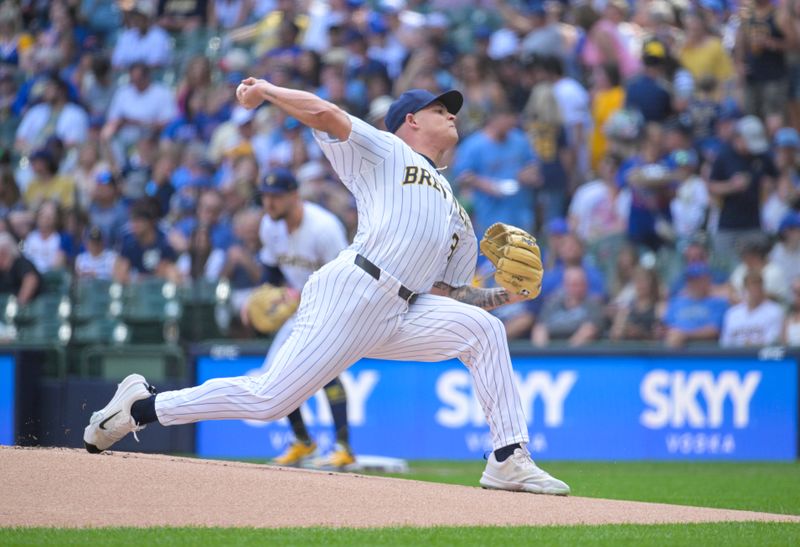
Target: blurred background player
(298, 238)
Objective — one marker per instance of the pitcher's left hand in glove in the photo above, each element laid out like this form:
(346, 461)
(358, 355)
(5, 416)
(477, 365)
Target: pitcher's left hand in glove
(517, 257)
(269, 307)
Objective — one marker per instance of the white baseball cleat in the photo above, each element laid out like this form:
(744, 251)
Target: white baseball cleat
(113, 422)
(519, 473)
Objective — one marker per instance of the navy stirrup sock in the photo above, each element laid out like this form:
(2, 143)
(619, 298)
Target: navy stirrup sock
(502, 454)
(143, 411)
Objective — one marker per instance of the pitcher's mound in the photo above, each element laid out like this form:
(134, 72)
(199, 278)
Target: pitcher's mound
(71, 488)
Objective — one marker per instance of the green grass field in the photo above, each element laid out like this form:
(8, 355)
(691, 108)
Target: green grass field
(752, 486)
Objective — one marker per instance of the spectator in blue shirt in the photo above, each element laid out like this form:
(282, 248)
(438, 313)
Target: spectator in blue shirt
(144, 250)
(209, 213)
(648, 92)
(694, 315)
(106, 210)
(570, 252)
(497, 166)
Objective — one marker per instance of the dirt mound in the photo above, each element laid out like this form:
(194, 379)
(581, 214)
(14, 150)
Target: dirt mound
(70, 488)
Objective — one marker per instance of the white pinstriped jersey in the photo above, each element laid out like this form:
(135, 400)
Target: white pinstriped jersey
(409, 222)
(317, 241)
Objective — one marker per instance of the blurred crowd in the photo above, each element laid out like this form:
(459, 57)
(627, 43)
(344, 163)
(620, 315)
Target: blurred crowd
(651, 145)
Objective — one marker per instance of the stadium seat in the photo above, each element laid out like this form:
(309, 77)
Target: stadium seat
(150, 308)
(198, 322)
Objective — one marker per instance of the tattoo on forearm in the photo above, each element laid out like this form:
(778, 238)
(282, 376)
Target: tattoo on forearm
(487, 299)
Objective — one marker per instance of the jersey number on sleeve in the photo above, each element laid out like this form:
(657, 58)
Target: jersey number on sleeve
(453, 247)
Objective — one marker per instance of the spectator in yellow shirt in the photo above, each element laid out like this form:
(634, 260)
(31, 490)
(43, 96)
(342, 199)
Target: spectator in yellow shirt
(702, 53)
(47, 183)
(608, 96)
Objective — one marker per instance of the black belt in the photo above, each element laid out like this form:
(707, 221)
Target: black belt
(406, 294)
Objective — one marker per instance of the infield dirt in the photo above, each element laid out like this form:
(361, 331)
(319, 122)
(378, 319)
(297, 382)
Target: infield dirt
(71, 488)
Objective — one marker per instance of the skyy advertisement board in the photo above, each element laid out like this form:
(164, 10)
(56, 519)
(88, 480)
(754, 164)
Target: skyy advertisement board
(577, 407)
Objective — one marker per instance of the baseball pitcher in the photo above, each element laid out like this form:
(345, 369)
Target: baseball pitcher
(400, 291)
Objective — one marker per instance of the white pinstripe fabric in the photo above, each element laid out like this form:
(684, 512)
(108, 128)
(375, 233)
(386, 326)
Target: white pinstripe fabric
(345, 314)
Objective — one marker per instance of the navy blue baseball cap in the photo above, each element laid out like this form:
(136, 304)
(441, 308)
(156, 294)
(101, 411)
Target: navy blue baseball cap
(279, 181)
(414, 100)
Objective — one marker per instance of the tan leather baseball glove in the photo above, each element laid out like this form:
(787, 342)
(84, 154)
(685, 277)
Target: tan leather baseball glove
(269, 307)
(517, 257)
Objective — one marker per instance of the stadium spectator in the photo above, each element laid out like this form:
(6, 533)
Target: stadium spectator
(542, 37)
(18, 276)
(238, 190)
(228, 14)
(10, 196)
(697, 251)
(572, 314)
(791, 327)
(756, 321)
(638, 320)
(9, 121)
(651, 191)
(88, 166)
(603, 44)
(702, 53)
(761, 60)
(101, 16)
(787, 161)
(106, 211)
(689, 207)
(570, 253)
(242, 266)
(137, 108)
(786, 252)
(209, 215)
(159, 187)
(596, 212)
(54, 116)
(182, 16)
(137, 167)
(740, 176)
(608, 96)
(385, 48)
(142, 41)
(622, 285)
(194, 123)
(45, 246)
(695, 315)
(97, 260)
(144, 251)
(14, 42)
(649, 91)
(789, 21)
(497, 169)
(574, 105)
(548, 138)
(47, 183)
(200, 261)
(289, 145)
(754, 256)
(481, 90)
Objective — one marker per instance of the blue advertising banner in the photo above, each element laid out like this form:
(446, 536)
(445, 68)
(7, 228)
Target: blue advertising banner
(7, 375)
(578, 408)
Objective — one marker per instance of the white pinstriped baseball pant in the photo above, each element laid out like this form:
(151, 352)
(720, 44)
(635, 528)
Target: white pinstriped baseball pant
(344, 315)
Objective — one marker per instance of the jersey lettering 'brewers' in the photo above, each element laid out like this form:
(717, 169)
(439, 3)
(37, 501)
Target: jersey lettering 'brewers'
(400, 291)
